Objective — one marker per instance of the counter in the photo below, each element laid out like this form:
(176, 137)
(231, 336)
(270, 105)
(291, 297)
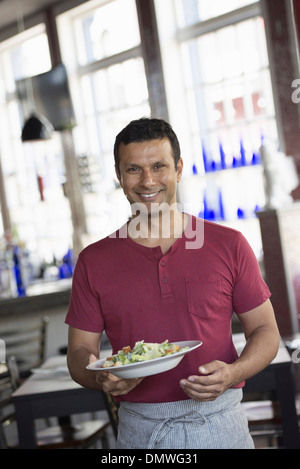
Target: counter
(280, 230)
(49, 299)
(40, 296)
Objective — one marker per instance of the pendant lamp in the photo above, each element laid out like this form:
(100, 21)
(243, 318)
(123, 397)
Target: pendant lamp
(37, 127)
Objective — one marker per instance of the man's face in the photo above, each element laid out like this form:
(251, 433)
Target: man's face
(147, 172)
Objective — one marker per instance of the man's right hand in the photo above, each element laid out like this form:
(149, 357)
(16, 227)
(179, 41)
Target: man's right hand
(111, 384)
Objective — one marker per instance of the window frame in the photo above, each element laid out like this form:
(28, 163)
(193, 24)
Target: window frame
(192, 32)
(213, 24)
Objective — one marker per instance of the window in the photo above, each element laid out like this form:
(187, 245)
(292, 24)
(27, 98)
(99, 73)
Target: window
(32, 171)
(229, 92)
(221, 104)
(102, 31)
(109, 88)
(192, 11)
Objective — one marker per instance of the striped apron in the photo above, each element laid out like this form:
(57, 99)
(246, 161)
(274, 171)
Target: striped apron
(186, 424)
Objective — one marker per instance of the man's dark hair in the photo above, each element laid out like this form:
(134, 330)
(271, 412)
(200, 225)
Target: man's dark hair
(145, 130)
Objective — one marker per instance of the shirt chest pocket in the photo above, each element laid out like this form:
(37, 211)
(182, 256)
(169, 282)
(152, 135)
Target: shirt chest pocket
(204, 295)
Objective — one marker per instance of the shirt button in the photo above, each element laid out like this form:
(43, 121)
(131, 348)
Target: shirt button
(165, 280)
(162, 263)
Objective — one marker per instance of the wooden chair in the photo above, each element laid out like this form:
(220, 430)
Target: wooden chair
(111, 406)
(112, 410)
(82, 435)
(27, 344)
(264, 420)
(7, 413)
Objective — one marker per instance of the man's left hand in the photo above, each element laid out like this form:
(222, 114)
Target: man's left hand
(215, 377)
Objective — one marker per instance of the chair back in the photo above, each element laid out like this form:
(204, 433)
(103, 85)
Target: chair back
(27, 344)
(112, 410)
(7, 410)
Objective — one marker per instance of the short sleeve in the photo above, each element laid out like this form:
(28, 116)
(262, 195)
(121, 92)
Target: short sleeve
(250, 289)
(84, 310)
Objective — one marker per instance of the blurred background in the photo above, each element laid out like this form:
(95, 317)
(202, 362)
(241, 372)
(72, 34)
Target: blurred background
(73, 73)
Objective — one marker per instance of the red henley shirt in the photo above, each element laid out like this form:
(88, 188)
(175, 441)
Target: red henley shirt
(136, 293)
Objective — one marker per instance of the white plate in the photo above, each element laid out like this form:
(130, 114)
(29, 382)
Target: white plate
(150, 367)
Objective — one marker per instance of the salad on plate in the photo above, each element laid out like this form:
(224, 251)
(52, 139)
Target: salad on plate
(141, 352)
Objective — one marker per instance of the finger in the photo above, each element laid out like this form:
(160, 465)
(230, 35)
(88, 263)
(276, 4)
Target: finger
(209, 367)
(200, 393)
(122, 390)
(108, 378)
(92, 358)
(203, 381)
(117, 387)
(198, 384)
(202, 397)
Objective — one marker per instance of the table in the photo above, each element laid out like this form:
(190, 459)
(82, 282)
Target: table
(43, 396)
(48, 395)
(277, 377)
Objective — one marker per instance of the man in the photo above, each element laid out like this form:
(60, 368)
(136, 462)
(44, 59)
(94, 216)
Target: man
(143, 284)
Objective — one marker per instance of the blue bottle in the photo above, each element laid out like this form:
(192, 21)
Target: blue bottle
(18, 272)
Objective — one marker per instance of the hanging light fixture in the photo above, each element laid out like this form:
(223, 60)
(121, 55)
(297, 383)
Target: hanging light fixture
(37, 127)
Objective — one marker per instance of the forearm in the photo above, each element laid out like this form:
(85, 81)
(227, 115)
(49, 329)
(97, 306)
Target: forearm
(260, 349)
(217, 376)
(79, 358)
(262, 341)
(77, 361)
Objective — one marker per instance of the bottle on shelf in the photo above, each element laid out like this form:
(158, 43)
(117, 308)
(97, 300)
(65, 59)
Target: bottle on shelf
(8, 285)
(20, 281)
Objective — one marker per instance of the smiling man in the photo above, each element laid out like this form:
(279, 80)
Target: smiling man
(148, 175)
(147, 172)
(146, 282)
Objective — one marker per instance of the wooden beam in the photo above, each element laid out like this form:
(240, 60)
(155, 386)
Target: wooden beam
(284, 70)
(152, 58)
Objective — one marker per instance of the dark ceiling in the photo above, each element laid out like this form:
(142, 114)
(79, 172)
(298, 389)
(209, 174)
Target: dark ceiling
(12, 10)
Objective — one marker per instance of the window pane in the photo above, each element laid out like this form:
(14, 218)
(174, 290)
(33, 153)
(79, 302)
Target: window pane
(19, 56)
(106, 31)
(228, 89)
(193, 11)
(33, 171)
(107, 94)
(24, 60)
(114, 89)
